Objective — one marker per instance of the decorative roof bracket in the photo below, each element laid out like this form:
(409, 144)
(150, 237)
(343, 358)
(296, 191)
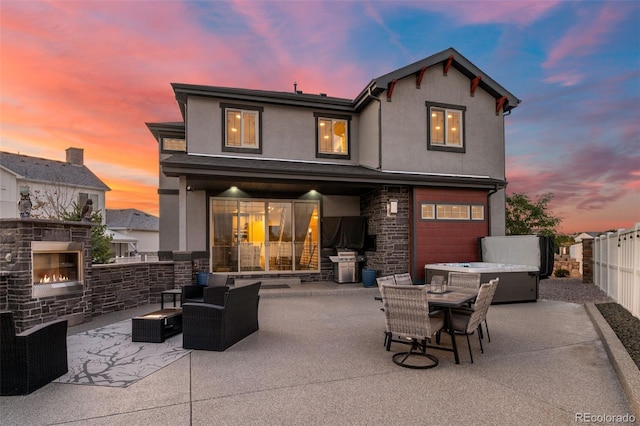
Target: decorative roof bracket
(474, 84)
(447, 65)
(500, 103)
(420, 76)
(390, 88)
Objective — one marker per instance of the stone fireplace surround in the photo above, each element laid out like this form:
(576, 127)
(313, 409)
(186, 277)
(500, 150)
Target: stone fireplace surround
(16, 237)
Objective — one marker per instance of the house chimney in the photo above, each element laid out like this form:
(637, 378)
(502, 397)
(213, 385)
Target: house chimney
(75, 156)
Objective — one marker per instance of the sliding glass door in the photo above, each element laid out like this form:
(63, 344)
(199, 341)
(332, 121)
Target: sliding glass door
(264, 236)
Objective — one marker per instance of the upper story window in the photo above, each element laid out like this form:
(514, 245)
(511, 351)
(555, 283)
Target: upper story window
(242, 128)
(332, 136)
(445, 127)
(174, 144)
(83, 197)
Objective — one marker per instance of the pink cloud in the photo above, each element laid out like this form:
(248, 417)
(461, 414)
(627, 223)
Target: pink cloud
(589, 32)
(521, 13)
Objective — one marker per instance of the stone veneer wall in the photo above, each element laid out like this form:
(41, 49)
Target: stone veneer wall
(106, 288)
(16, 287)
(117, 287)
(392, 232)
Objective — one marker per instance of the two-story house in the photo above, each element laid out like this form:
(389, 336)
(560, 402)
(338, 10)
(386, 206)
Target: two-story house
(53, 186)
(133, 232)
(411, 171)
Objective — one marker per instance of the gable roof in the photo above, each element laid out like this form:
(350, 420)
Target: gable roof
(132, 219)
(50, 171)
(459, 62)
(375, 88)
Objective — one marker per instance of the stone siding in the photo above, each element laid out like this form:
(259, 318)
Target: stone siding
(587, 261)
(391, 231)
(16, 287)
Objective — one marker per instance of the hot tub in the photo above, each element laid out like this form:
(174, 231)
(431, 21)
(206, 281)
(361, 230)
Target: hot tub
(518, 283)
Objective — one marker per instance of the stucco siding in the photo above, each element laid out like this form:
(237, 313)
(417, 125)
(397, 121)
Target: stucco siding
(287, 133)
(404, 127)
(168, 222)
(197, 221)
(369, 135)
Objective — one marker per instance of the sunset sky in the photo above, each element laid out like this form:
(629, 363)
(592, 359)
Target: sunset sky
(90, 74)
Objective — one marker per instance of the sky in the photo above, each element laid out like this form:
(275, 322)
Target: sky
(90, 74)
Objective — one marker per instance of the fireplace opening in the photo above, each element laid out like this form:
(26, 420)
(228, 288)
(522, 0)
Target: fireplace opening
(57, 268)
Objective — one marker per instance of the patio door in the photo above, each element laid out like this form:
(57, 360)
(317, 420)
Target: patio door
(249, 236)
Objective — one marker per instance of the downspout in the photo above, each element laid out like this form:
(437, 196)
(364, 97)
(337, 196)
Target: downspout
(379, 126)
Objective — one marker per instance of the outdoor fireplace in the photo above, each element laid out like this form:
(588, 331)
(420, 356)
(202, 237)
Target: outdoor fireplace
(57, 268)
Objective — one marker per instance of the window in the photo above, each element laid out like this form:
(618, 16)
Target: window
(173, 144)
(477, 212)
(242, 128)
(428, 211)
(332, 136)
(83, 197)
(461, 212)
(445, 127)
(453, 212)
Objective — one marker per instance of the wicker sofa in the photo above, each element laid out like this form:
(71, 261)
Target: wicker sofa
(33, 358)
(212, 327)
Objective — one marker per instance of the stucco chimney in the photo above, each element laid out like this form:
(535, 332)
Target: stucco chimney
(75, 156)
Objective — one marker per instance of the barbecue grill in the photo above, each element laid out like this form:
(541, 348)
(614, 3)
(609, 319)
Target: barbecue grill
(346, 266)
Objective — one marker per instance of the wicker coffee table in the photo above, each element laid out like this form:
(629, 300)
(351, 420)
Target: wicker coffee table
(156, 326)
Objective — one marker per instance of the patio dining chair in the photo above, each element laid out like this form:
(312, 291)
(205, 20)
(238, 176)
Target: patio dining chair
(468, 322)
(403, 279)
(406, 314)
(463, 279)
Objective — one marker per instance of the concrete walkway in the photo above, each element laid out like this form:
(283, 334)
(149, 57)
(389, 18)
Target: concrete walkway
(321, 361)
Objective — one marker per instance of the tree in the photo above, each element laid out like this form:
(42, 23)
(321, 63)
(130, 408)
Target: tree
(526, 217)
(100, 240)
(53, 201)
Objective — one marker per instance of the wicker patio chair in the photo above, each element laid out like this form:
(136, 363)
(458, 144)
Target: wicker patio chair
(217, 327)
(195, 293)
(389, 279)
(468, 322)
(403, 279)
(463, 279)
(33, 358)
(406, 313)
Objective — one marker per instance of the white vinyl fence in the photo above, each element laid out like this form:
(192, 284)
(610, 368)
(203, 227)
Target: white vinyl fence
(616, 266)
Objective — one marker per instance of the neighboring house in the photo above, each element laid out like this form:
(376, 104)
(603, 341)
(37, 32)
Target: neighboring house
(133, 232)
(410, 172)
(54, 186)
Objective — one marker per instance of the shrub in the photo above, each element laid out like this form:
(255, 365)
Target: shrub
(561, 273)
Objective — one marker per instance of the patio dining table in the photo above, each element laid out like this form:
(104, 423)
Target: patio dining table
(453, 297)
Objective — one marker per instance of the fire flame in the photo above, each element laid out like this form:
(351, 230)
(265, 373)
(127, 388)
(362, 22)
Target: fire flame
(53, 279)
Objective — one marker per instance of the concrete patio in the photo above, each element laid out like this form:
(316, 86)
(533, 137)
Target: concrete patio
(321, 360)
